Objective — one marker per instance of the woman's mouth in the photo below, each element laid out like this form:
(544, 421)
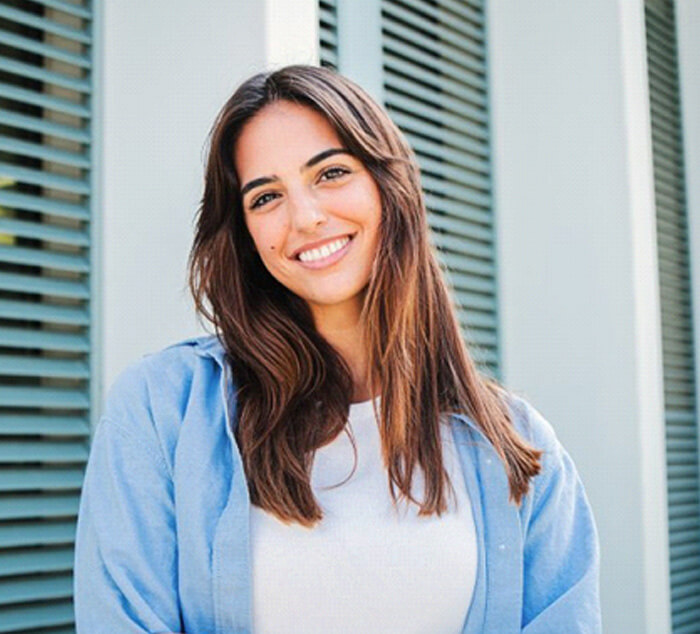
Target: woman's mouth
(327, 255)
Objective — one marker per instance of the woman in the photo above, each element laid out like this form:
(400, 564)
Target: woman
(220, 494)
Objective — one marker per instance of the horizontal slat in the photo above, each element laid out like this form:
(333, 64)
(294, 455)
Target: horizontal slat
(42, 311)
(460, 227)
(687, 590)
(455, 209)
(43, 24)
(16, 365)
(684, 497)
(454, 174)
(45, 152)
(25, 506)
(20, 396)
(455, 192)
(42, 126)
(44, 205)
(35, 588)
(679, 417)
(29, 479)
(683, 537)
(476, 301)
(43, 100)
(18, 451)
(684, 523)
(44, 339)
(27, 424)
(327, 16)
(467, 265)
(17, 534)
(46, 76)
(29, 618)
(462, 281)
(46, 50)
(45, 179)
(44, 258)
(44, 231)
(462, 246)
(67, 7)
(44, 285)
(475, 319)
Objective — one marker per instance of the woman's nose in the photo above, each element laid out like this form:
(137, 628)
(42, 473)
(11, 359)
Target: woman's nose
(306, 213)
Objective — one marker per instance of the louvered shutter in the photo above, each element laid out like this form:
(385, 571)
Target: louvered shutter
(45, 310)
(676, 317)
(435, 89)
(328, 29)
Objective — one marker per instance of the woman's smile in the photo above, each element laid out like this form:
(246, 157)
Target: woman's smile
(326, 255)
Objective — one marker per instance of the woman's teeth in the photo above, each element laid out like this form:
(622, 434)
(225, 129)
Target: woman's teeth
(324, 251)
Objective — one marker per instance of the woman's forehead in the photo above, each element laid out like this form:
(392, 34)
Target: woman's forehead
(280, 139)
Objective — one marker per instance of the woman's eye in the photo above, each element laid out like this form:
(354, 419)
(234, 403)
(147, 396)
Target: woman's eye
(334, 172)
(261, 200)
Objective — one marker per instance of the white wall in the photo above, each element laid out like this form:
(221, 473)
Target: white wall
(578, 283)
(167, 66)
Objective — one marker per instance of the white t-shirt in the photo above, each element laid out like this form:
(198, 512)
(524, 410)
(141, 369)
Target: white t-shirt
(366, 567)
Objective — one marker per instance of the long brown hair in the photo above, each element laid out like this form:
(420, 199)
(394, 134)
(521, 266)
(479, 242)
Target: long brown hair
(293, 387)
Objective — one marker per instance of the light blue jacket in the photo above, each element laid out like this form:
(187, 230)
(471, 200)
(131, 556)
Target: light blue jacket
(163, 536)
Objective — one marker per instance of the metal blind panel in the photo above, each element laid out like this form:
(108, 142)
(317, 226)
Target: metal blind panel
(329, 33)
(676, 318)
(435, 87)
(45, 169)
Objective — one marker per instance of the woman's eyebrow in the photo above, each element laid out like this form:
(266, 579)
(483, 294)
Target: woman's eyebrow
(317, 158)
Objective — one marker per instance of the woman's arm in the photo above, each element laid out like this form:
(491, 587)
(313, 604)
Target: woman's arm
(561, 553)
(126, 550)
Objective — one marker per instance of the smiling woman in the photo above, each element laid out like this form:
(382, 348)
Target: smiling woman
(331, 459)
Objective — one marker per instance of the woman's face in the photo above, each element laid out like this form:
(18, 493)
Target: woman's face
(303, 196)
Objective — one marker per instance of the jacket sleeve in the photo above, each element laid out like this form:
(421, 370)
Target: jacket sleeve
(125, 574)
(561, 550)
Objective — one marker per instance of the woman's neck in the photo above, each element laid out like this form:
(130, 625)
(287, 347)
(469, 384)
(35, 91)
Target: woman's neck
(343, 329)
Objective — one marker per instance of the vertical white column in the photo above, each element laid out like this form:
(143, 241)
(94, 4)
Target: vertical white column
(291, 32)
(578, 273)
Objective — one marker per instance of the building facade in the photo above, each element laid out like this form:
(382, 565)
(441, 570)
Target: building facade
(560, 161)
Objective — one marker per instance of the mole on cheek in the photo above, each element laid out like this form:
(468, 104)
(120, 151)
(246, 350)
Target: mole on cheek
(272, 248)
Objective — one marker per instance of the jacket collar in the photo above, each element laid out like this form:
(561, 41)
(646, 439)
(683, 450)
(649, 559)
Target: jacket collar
(211, 346)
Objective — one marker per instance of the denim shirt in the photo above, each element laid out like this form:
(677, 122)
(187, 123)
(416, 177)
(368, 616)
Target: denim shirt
(163, 542)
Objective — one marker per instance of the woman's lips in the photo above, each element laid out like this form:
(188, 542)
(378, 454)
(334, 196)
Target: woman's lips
(329, 260)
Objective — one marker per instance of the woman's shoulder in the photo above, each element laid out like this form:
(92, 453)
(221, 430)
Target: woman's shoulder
(155, 389)
(530, 423)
